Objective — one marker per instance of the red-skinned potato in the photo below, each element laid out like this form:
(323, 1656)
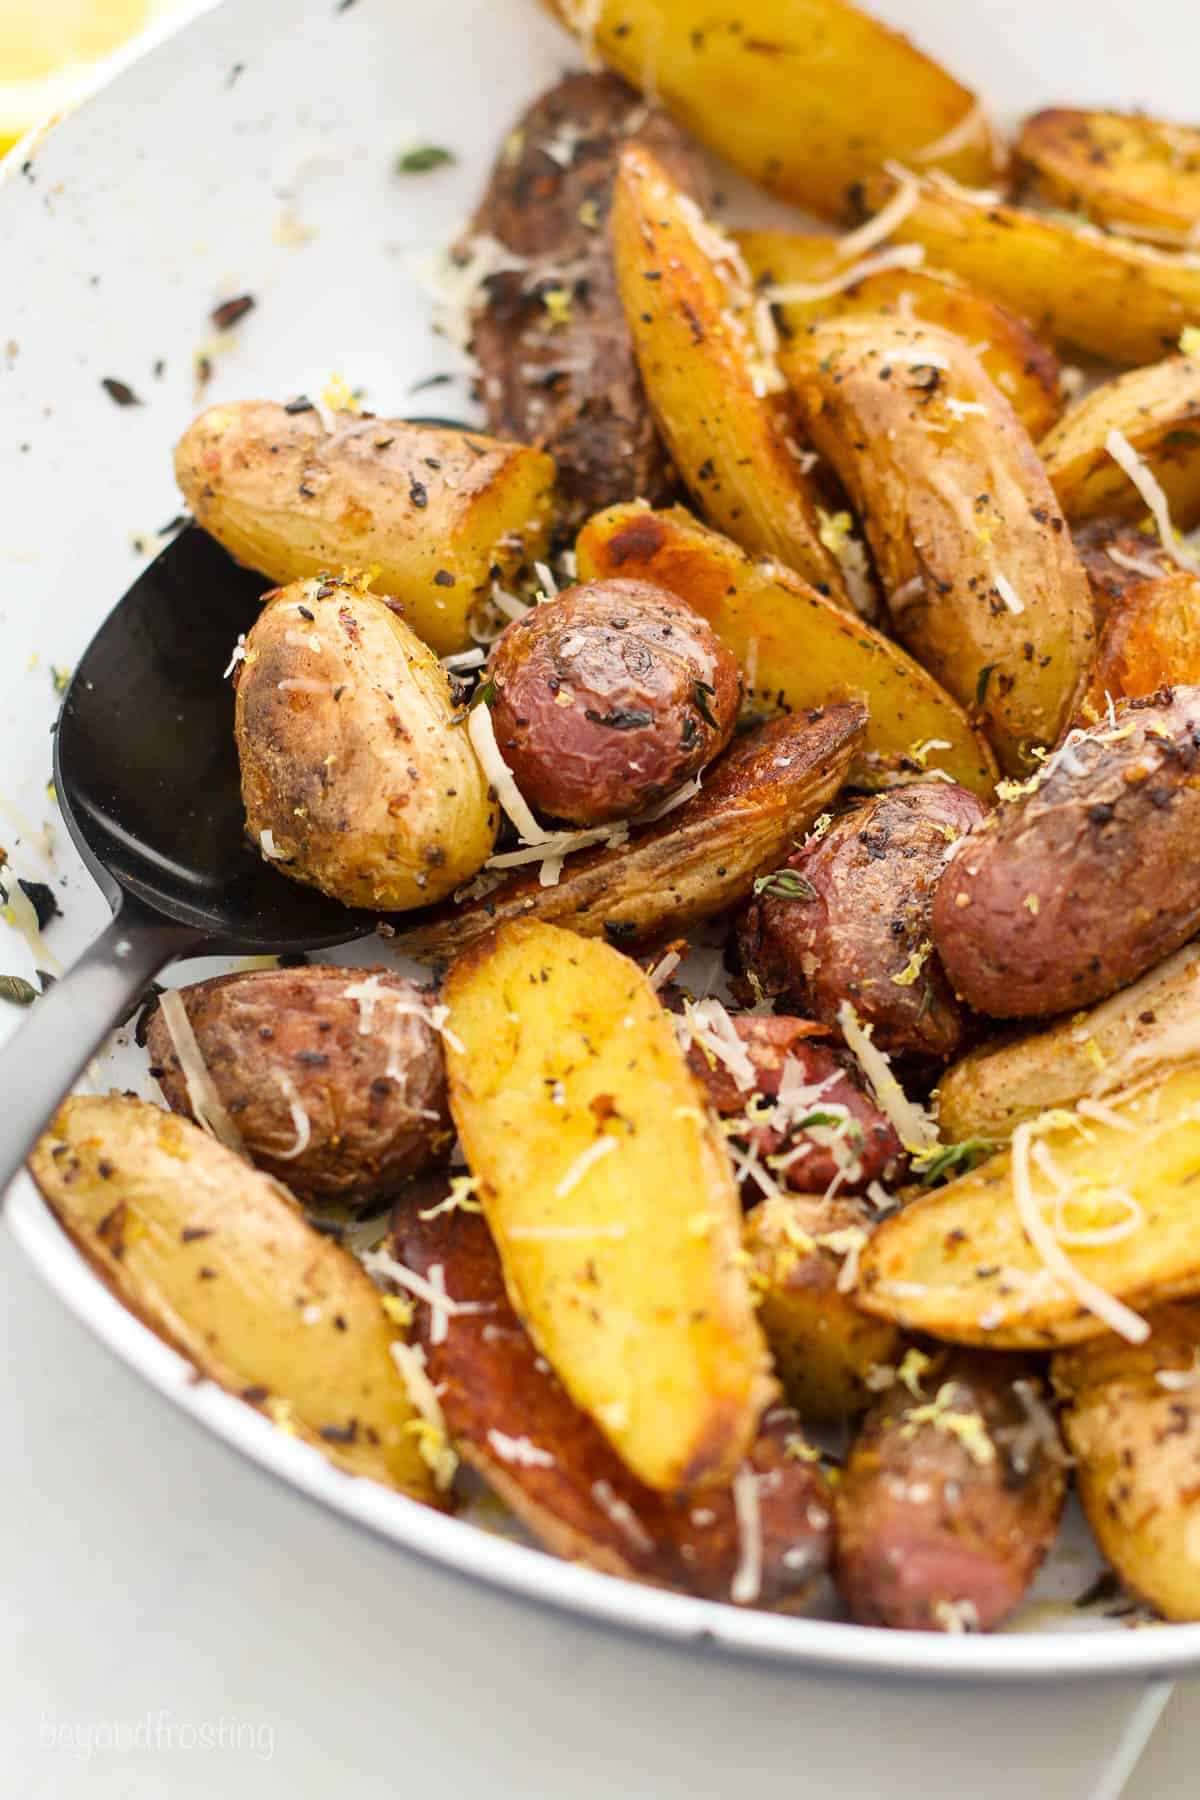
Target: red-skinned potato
(609, 697)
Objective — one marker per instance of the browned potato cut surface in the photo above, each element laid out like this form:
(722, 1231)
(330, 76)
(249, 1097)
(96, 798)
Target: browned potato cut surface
(610, 1198)
(951, 1497)
(982, 579)
(804, 96)
(795, 648)
(511, 1419)
(333, 1077)
(698, 860)
(1157, 410)
(217, 1258)
(436, 514)
(1124, 170)
(1115, 1191)
(1150, 641)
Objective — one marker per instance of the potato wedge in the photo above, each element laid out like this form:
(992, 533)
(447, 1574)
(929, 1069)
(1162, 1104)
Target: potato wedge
(1125, 170)
(795, 648)
(355, 778)
(1158, 410)
(218, 1259)
(1131, 1418)
(1118, 1194)
(825, 1347)
(437, 514)
(1144, 1028)
(982, 579)
(699, 860)
(511, 1419)
(1083, 288)
(705, 347)
(804, 96)
(1150, 641)
(610, 1197)
(813, 268)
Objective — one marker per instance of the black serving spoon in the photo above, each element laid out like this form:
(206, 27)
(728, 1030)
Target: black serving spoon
(147, 778)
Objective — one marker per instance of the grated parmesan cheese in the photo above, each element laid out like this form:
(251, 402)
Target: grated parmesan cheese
(973, 123)
(1008, 593)
(201, 1089)
(432, 1442)
(483, 738)
(521, 1451)
(747, 1580)
(623, 1516)
(582, 1163)
(886, 221)
(913, 1124)
(1148, 486)
(300, 1119)
(804, 293)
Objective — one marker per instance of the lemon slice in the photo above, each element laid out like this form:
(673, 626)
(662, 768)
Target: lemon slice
(51, 52)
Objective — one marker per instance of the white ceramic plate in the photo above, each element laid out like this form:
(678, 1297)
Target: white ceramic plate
(254, 154)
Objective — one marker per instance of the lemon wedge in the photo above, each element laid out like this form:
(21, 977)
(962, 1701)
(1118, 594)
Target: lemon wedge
(52, 50)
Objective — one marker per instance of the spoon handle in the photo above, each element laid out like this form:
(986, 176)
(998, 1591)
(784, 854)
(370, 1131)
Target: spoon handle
(43, 1058)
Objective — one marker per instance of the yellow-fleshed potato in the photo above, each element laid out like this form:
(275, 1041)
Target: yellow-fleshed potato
(1131, 1418)
(1125, 170)
(983, 581)
(705, 346)
(218, 1259)
(1157, 409)
(1150, 640)
(436, 514)
(806, 278)
(610, 1197)
(824, 1346)
(795, 648)
(1111, 1196)
(355, 778)
(1145, 1027)
(1084, 288)
(804, 96)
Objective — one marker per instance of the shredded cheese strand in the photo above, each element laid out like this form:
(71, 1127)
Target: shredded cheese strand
(300, 1119)
(804, 293)
(1148, 486)
(747, 1580)
(201, 1089)
(500, 777)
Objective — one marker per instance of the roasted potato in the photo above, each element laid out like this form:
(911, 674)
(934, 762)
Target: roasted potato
(355, 778)
(1157, 410)
(849, 917)
(511, 1419)
(218, 1259)
(982, 580)
(804, 99)
(333, 1077)
(1132, 1424)
(1125, 170)
(1150, 641)
(1117, 557)
(609, 699)
(1110, 1194)
(799, 1120)
(1075, 886)
(806, 279)
(825, 1348)
(951, 1497)
(439, 515)
(610, 1198)
(795, 648)
(1083, 288)
(698, 860)
(705, 345)
(557, 361)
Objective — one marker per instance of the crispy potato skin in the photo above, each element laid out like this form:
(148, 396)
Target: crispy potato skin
(704, 351)
(1136, 1445)
(349, 756)
(1085, 290)
(787, 101)
(824, 1346)
(872, 1152)
(435, 512)
(218, 1259)
(928, 1519)
(559, 1047)
(1140, 1029)
(697, 861)
(1025, 370)
(955, 505)
(585, 1505)
(369, 1130)
(1158, 410)
(1112, 579)
(860, 927)
(958, 1264)
(573, 388)
(610, 698)
(1150, 641)
(796, 648)
(1121, 169)
(1073, 890)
